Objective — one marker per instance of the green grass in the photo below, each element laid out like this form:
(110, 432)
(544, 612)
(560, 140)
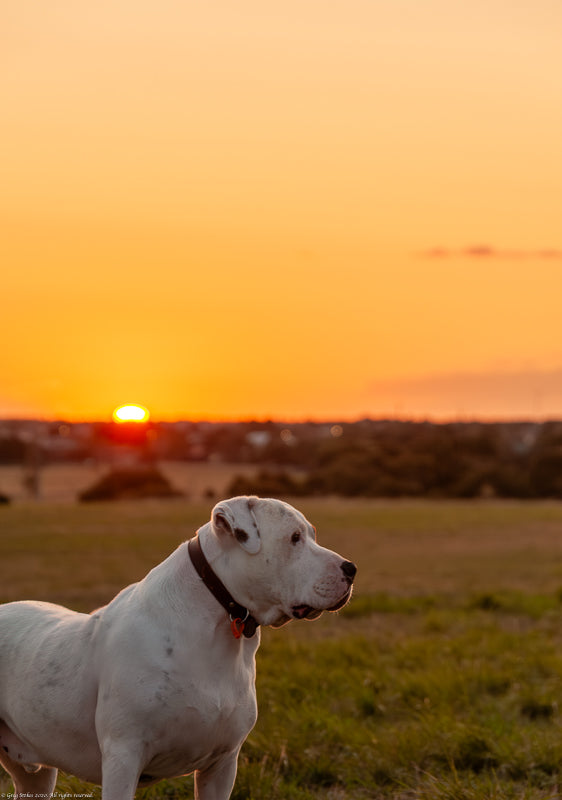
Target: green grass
(442, 680)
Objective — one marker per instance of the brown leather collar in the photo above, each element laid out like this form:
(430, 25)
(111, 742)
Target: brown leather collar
(241, 621)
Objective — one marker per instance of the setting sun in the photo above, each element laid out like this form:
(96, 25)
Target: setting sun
(131, 413)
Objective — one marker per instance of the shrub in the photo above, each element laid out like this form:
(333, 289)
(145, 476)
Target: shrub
(546, 472)
(266, 484)
(130, 483)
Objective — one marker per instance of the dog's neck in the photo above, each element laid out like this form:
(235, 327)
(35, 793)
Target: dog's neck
(242, 622)
(219, 561)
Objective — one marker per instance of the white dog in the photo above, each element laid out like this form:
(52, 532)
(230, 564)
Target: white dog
(161, 682)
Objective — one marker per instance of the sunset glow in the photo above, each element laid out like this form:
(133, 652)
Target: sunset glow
(291, 211)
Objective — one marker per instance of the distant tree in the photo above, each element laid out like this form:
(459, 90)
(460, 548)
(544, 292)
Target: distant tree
(266, 484)
(131, 483)
(546, 473)
(12, 450)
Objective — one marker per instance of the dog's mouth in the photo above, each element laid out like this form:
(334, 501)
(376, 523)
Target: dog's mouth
(305, 612)
(308, 612)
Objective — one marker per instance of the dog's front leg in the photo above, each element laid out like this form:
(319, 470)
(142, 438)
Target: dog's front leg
(120, 774)
(216, 782)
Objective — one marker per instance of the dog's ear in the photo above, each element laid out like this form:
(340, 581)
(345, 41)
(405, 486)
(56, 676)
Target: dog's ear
(236, 518)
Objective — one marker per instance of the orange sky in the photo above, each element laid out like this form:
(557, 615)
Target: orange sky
(319, 209)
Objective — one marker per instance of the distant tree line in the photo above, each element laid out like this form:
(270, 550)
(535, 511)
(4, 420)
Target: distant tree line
(424, 460)
(371, 458)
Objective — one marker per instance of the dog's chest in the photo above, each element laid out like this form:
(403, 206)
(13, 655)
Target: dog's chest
(196, 700)
(196, 725)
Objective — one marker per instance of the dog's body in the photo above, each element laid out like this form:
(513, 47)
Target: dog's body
(155, 684)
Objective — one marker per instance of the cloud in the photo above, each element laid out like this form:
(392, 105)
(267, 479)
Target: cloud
(523, 394)
(487, 251)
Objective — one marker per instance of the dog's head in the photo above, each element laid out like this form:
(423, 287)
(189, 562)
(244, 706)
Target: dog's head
(272, 563)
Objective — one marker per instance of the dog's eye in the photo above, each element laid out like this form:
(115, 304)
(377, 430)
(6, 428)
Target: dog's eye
(296, 537)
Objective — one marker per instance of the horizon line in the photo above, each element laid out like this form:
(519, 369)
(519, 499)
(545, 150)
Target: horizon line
(416, 419)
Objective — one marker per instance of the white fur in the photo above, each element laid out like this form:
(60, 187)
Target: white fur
(154, 685)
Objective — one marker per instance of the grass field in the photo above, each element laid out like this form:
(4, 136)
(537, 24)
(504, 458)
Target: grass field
(442, 680)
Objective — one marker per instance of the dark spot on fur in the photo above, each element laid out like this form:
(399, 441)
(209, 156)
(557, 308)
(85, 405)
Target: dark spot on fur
(241, 535)
(7, 749)
(169, 651)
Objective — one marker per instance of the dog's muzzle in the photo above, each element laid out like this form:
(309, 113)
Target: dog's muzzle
(309, 612)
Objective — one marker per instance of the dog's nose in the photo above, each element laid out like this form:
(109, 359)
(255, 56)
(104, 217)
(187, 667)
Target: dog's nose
(349, 569)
